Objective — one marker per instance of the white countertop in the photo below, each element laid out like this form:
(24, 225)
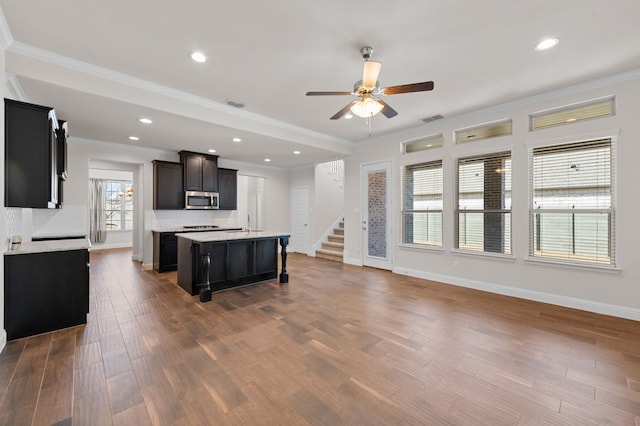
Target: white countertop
(205, 237)
(183, 229)
(51, 245)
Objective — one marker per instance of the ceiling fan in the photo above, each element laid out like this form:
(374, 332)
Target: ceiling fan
(368, 90)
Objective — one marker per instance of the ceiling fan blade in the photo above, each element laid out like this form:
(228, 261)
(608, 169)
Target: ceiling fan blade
(387, 111)
(370, 73)
(328, 93)
(343, 111)
(408, 88)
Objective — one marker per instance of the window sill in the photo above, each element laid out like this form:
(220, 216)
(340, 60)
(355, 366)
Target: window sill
(118, 231)
(574, 265)
(421, 247)
(483, 254)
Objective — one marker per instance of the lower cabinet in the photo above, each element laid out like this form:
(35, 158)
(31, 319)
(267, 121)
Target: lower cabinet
(45, 291)
(165, 251)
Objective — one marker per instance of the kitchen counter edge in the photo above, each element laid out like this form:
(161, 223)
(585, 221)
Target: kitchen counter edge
(51, 246)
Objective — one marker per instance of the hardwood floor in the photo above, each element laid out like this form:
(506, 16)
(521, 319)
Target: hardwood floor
(337, 345)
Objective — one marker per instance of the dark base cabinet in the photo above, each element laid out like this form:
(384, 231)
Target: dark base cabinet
(45, 292)
(233, 263)
(165, 251)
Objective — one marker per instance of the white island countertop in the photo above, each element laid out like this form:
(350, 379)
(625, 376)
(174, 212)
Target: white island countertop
(28, 247)
(205, 237)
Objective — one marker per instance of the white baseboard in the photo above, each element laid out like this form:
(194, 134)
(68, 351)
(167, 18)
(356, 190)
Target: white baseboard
(147, 266)
(538, 296)
(3, 339)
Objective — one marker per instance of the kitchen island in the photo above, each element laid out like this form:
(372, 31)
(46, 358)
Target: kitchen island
(232, 258)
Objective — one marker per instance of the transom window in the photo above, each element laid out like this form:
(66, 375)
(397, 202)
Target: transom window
(484, 203)
(423, 204)
(118, 205)
(572, 216)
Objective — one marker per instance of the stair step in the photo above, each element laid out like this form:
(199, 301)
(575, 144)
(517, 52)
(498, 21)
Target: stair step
(341, 225)
(336, 256)
(336, 238)
(333, 246)
(338, 231)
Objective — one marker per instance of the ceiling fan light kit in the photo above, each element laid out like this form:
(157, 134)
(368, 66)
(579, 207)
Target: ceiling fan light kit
(368, 106)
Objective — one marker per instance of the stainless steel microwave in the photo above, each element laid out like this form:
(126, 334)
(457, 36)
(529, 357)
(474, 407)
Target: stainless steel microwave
(197, 200)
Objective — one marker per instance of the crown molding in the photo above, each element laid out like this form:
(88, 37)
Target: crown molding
(465, 117)
(46, 56)
(5, 33)
(14, 88)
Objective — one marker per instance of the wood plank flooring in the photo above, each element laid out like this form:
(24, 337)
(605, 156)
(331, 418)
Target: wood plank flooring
(337, 345)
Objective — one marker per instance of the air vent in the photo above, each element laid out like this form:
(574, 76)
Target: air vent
(233, 103)
(484, 131)
(572, 114)
(422, 144)
(432, 118)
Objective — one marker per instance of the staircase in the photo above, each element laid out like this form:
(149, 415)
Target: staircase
(334, 248)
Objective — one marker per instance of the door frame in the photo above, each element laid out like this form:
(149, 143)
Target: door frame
(365, 169)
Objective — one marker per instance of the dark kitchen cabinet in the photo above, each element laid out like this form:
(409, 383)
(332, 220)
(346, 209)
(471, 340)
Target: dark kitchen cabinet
(168, 192)
(165, 251)
(31, 156)
(228, 189)
(62, 136)
(200, 171)
(45, 291)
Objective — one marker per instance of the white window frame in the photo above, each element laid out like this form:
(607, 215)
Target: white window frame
(124, 184)
(435, 164)
(568, 260)
(507, 241)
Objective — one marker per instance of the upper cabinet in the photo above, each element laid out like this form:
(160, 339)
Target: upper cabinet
(31, 156)
(228, 186)
(168, 193)
(200, 171)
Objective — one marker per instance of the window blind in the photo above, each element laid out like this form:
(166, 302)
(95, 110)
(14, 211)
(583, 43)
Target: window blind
(572, 216)
(484, 203)
(422, 209)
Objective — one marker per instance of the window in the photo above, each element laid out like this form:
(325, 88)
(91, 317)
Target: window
(484, 203)
(422, 144)
(572, 213)
(484, 131)
(423, 204)
(572, 114)
(119, 205)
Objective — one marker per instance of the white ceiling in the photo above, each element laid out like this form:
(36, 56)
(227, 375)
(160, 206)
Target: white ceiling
(103, 64)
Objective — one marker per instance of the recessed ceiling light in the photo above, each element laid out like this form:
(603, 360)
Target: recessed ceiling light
(547, 43)
(296, 152)
(134, 138)
(212, 151)
(145, 120)
(236, 140)
(348, 116)
(198, 57)
(267, 160)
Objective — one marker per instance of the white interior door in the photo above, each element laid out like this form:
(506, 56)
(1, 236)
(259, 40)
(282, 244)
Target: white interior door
(300, 234)
(376, 222)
